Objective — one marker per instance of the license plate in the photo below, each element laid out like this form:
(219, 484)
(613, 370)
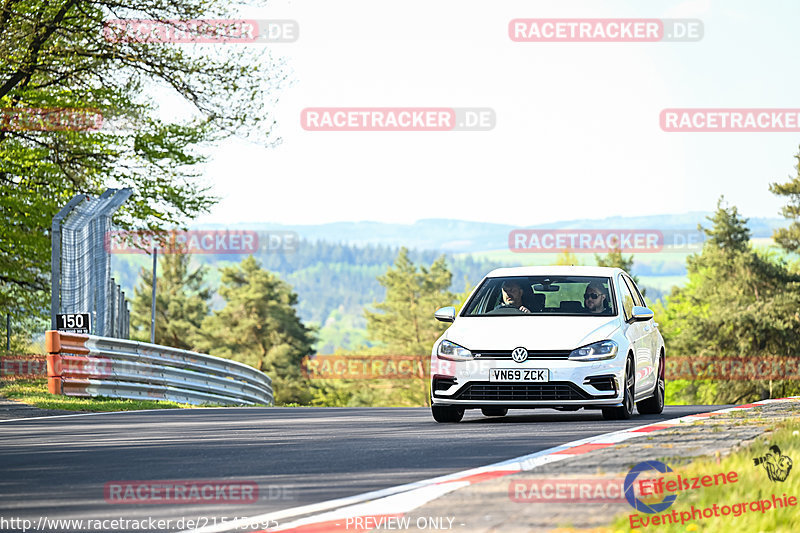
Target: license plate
(519, 374)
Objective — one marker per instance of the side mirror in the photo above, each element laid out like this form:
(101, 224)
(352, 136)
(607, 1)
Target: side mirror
(640, 314)
(445, 314)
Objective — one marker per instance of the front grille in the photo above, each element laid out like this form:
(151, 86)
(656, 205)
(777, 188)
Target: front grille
(532, 354)
(554, 391)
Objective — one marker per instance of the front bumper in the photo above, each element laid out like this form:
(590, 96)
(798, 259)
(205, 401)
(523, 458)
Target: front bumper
(572, 384)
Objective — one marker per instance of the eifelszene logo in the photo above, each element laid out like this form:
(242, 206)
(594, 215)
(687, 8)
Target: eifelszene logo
(777, 465)
(630, 493)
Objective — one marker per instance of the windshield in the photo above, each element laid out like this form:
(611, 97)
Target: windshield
(543, 295)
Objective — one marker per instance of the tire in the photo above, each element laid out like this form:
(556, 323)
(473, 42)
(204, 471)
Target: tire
(625, 411)
(494, 411)
(447, 413)
(654, 405)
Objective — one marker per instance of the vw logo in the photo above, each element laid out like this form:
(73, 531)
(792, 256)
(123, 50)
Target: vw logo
(519, 355)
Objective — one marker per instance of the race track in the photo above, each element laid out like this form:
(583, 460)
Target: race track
(57, 468)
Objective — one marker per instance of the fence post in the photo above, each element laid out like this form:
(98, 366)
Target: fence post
(112, 309)
(121, 313)
(127, 321)
(153, 303)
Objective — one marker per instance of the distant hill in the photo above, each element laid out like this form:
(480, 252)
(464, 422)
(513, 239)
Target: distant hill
(461, 236)
(335, 266)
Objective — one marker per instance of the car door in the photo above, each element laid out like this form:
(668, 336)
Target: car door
(646, 348)
(653, 335)
(636, 335)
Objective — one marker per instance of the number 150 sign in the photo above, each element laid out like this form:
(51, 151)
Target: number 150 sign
(74, 322)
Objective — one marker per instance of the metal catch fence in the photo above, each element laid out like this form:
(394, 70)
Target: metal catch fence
(81, 264)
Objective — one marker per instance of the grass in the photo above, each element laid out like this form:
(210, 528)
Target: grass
(753, 484)
(34, 392)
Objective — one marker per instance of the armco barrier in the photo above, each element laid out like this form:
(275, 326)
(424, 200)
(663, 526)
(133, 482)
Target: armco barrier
(87, 365)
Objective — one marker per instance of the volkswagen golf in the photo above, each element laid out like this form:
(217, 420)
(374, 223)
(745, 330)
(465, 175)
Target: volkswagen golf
(563, 337)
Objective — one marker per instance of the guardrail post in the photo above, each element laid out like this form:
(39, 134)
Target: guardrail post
(54, 367)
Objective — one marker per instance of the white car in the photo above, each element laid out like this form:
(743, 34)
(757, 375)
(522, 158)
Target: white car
(563, 337)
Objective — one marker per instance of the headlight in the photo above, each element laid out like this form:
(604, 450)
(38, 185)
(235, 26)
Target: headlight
(453, 352)
(595, 351)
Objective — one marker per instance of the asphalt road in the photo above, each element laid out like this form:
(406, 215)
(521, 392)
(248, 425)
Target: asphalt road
(57, 467)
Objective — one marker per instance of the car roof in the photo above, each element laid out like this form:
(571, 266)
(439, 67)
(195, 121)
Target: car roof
(554, 270)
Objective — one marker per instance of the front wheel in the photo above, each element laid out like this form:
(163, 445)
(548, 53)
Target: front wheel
(625, 411)
(447, 413)
(655, 404)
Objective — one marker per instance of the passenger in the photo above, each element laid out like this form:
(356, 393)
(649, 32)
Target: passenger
(595, 298)
(512, 295)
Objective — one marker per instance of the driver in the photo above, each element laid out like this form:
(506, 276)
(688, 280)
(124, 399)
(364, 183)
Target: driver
(595, 298)
(512, 295)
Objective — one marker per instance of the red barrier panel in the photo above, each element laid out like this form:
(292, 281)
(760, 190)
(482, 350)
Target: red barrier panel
(58, 343)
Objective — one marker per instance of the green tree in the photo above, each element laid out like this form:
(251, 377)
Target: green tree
(729, 233)
(615, 259)
(259, 326)
(738, 302)
(403, 323)
(789, 238)
(461, 297)
(54, 55)
(181, 301)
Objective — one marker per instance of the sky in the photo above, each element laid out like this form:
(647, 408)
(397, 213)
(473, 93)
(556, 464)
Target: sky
(577, 131)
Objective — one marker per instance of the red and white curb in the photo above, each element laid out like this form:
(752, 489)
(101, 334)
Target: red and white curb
(371, 507)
